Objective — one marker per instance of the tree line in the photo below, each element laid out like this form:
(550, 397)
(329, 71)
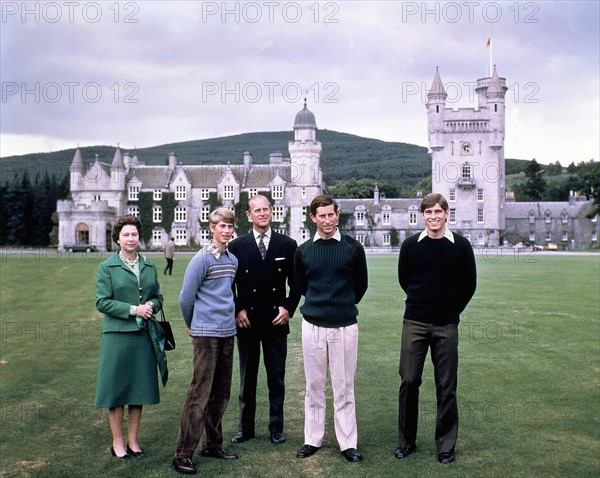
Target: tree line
(28, 209)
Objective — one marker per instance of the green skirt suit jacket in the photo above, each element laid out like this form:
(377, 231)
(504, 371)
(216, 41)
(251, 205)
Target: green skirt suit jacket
(127, 368)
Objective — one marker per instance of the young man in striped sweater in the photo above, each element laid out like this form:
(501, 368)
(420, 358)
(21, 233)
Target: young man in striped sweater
(206, 303)
(331, 272)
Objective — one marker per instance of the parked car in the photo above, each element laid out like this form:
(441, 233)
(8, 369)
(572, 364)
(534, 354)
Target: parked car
(79, 247)
(552, 247)
(538, 248)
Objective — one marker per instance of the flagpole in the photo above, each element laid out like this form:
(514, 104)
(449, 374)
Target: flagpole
(491, 48)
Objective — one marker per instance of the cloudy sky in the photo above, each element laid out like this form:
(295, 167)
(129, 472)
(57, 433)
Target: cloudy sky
(146, 73)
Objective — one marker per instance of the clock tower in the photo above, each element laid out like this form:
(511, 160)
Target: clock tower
(467, 159)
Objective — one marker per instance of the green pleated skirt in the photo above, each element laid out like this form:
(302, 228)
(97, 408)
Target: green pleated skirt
(127, 371)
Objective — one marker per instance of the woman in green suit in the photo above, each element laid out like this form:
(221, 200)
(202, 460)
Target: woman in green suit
(128, 294)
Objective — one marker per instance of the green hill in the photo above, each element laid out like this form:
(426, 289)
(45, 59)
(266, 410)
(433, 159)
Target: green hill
(344, 157)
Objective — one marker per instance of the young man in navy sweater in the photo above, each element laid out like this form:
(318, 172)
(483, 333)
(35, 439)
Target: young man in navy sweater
(331, 273)
(436, 269)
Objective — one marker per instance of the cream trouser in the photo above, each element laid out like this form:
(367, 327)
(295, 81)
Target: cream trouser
(338, 348)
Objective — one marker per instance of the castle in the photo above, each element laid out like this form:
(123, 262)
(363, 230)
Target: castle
(468, 168)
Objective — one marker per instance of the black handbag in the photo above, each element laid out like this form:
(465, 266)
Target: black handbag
(166, 326)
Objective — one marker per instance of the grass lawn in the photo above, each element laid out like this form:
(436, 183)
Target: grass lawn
(529, 393)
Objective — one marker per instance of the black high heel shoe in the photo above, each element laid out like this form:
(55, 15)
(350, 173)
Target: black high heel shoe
(137, 454)
(124, 457)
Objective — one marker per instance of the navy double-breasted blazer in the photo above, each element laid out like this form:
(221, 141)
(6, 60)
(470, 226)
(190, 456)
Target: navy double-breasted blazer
(260, 286)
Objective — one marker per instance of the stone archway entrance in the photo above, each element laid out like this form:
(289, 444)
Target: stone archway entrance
(82, 233)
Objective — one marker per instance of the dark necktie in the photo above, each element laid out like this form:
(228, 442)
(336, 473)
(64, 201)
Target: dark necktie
(261, 247)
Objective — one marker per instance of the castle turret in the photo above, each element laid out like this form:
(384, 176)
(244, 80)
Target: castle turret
(117, 170)
(436, 106)
(76, 170)
(305, 170)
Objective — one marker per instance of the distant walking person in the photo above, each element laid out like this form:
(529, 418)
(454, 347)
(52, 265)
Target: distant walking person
(263, 309)
(206, 302)
(170, 255)
(436, 269)
(331, 271)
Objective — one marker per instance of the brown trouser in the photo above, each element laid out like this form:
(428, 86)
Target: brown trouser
(207, 396)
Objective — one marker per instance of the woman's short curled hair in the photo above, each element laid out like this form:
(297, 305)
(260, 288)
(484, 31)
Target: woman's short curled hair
(128, 220)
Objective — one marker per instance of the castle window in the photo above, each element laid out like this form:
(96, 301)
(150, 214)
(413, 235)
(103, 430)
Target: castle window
(387, 239)
(452, 216)
(360, 218)
(480, 215)
(437, 108)
(304, 235)
(156, 214)
(180, 193)
(532, 236)
(278, 213)
(565, 236)
(548, 236)
(228, 193)
(277, 192)
(412, 218)
(134, 192)
(466, 171)
(181, 237)
(480, 239)
(252, 192)
(303, 193)
(96, 197)
(204, 213)
(531, 217)
(452, 195)
(496, 108)
(157, 195)
(133, 211)
(480, 195)
(180, 214)
(564, 217)
(156, 236)
(385, 218)
(594, 236)
(205, 236)
(361, 238)
(548, 217)
(304, 212)
(204, 194)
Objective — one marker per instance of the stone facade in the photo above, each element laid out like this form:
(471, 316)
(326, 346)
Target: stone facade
(467, 154)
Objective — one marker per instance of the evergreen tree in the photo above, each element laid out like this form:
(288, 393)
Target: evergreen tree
(535, 183)
(589, 180)
(3, 216)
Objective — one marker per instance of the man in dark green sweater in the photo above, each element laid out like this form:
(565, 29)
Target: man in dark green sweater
(436, 269)
(331, 272)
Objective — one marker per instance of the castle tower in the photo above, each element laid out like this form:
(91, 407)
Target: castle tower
(467, 159)
(76, 171)
(306, 177)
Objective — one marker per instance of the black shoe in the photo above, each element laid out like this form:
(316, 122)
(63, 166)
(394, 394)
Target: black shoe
(402, 452)
(352, 454)
(184, 465)
(445, 458)
(277, 438)
(136, 454)
(218, 453)
(306, 451)
(241, 437)
(113, 453)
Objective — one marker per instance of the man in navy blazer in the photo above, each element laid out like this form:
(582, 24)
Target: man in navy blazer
(263, 308)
